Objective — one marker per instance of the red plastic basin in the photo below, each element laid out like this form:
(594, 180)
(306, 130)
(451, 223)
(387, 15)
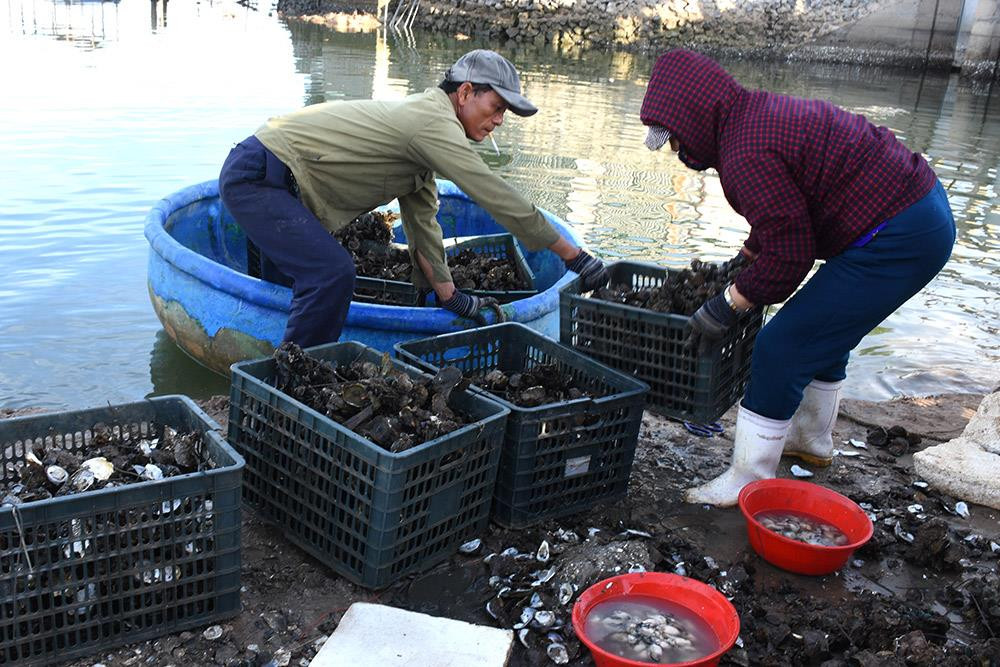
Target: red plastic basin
(792, 495)
(696, 597)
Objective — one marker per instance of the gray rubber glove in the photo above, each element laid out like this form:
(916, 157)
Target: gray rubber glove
(736, 263)
(467, 305)
(591, 270)
(711, 322)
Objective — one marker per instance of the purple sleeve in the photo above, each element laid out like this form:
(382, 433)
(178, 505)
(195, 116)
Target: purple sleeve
(762, 190)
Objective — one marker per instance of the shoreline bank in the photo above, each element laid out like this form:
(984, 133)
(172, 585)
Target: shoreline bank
(882, 33)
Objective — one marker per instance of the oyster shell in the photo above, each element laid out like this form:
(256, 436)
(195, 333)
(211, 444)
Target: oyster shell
(100, 467)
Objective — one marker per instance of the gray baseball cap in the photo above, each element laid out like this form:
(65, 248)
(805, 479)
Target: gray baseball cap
(482, 66)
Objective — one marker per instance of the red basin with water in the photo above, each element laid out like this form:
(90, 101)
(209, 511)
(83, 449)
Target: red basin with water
(698, 598)
(817, 502)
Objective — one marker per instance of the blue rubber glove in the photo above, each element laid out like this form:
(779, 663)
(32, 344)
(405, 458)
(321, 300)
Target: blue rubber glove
(467, 305)
(711, 322)
(591, 270)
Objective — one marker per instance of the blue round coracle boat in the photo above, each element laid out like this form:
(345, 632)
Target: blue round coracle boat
(219, 315)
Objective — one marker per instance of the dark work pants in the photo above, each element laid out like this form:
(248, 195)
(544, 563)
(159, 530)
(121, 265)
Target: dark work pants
(812, 336)
(255, 187)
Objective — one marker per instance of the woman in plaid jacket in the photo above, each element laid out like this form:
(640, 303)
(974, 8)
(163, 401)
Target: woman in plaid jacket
(814, 182)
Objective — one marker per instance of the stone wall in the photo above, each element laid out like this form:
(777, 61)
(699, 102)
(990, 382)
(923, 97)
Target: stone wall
(768, 24)
(305, 8)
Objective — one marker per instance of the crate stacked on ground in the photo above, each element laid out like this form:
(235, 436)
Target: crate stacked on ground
(684, 383)
(559, 458)
(371, 515)
(95, 570)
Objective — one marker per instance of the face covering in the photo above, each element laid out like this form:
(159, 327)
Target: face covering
(690, 161)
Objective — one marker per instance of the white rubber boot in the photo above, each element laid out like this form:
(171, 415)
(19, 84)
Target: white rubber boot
(810, 435)
(756, 451)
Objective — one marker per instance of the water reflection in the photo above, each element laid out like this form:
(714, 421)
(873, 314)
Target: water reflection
(171, 371)
(155, 106)
(86, 25)
(157, 14)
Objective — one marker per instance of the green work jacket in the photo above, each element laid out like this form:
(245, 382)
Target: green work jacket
(351, 157)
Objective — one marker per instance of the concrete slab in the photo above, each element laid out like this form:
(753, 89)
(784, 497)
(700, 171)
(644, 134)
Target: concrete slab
(374, 635)
(963, 469)
(984, 427)
(968, 467)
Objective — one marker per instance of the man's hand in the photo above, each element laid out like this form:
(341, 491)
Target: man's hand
(591, 270)
(711, 322)
(467, 305)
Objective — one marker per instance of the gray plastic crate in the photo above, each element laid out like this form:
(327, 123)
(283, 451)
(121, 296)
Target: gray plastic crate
(654, 347)
(85, 573)
(559, 458)
(370, 515)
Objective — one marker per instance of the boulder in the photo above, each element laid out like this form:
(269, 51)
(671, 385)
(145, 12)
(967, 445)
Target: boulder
(968, 467)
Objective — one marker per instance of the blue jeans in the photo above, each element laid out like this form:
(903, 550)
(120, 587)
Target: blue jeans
(255, 187)
(812, 336)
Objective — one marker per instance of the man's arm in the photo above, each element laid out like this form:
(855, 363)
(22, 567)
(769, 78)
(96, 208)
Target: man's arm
(444, 149)
(425, 240)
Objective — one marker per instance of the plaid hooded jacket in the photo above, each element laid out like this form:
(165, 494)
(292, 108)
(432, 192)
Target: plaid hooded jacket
(809, 177)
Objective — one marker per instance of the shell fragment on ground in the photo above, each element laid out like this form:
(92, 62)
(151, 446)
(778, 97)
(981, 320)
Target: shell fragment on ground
(374, 635)
(968, 466)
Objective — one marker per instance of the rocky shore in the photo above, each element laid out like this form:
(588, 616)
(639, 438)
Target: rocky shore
(811, 30)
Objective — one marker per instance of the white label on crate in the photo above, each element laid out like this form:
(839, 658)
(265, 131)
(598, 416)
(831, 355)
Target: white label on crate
(577, 466)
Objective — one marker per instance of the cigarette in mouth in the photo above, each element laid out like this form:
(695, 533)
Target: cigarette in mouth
(494, 142)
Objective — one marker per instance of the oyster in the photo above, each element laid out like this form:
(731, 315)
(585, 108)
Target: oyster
(100, 467)
(82, 480)
(557, 653)
(566, 593)
(471, 546)
(56, 475)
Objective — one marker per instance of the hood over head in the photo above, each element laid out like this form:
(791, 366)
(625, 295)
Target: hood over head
(690, 95)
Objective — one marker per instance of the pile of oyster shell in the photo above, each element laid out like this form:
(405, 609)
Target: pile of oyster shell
(113, 457)
(528, 598)
(367, 230)
(379, 401)
(473, 270)
(682, 292)
(802, 528)
(368, 238)
(895, 439)
(539, 385)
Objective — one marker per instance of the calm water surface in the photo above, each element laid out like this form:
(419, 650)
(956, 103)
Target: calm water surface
(105, 108)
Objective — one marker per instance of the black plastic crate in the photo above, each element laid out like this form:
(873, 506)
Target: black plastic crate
(560, 458)
(380, 290)
(502, 246)
(401, 293)
(85, 573)
(371, 515)
(654, 347)
(387, 292)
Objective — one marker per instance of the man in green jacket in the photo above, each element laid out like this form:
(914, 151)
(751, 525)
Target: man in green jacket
(306, 174)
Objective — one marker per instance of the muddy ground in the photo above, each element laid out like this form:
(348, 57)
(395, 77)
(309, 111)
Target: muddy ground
(935, 601)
